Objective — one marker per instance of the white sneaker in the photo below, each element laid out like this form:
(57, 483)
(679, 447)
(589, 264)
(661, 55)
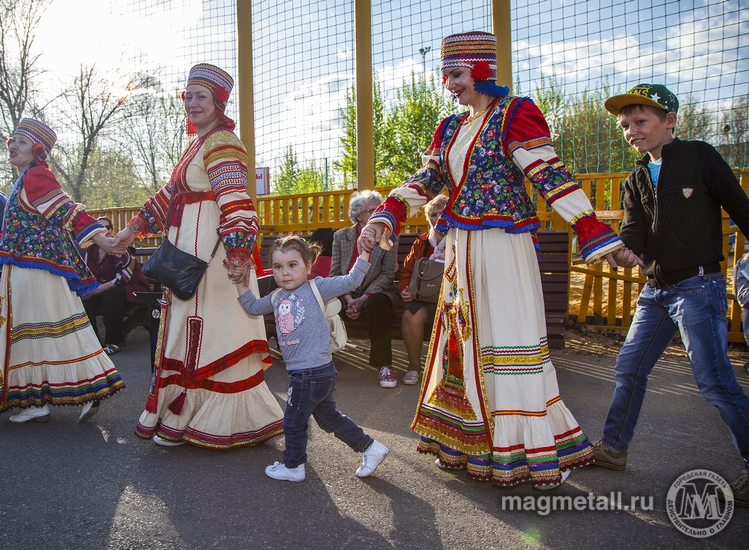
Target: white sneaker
(565, 475)
(281, 472)
(35, 414)
(411, 378)
(166, 443)
(387, 380)
(371, 458)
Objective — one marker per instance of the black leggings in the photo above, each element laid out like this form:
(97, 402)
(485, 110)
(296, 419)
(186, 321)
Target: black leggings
(378, 316)
(111, 305)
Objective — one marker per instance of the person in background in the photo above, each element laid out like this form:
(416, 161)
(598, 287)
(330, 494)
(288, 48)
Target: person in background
(119, 277)
(375, 298)
(209, 387)
(323, 236)
(418, 315)
(673, 224)
(489, 400)
(50, 353)
(741, 285)
(304, 341)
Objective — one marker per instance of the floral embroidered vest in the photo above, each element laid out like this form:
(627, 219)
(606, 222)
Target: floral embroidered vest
(492, 192)
(30, 240)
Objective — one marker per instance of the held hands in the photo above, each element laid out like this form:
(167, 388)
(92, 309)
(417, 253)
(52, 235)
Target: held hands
(354, 306)
(122, 240)
(239, 275)
(369, 237)
(623, 257)
(105, 243)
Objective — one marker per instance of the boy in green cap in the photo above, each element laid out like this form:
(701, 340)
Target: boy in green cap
(672, 228)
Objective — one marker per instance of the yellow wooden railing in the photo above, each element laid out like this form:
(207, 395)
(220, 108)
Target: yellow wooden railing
(598, 296)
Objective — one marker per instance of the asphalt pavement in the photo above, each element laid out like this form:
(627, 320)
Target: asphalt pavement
(95, 485)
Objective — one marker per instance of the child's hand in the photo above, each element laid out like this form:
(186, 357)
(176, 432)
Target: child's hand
(364, 255)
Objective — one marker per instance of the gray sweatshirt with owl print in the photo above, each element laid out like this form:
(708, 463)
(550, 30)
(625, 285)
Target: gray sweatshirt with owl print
(301, 327)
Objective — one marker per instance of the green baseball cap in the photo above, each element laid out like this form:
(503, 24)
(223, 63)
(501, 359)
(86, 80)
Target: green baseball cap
(655, 95)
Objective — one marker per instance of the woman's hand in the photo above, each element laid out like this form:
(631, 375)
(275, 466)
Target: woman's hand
(239, 275)
(355, 306)
(623, 257)
(99, 289)
(123, 239)
(105, 243)
(406, 295)
(370, 236)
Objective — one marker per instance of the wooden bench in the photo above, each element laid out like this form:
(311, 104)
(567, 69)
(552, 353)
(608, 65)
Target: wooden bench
(554, 265)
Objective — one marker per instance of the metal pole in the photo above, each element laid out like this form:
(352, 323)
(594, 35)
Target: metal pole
(246, 90)
(502, 28)
(365, 170)
(424, 52)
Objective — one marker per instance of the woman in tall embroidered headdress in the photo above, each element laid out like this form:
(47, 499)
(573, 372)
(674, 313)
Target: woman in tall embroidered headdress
(489, 398)
(50, 354)
(208, 387)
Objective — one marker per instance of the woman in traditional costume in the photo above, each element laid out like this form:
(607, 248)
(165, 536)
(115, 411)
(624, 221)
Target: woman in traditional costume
(489, 398)
(50, 353)
(208, 387)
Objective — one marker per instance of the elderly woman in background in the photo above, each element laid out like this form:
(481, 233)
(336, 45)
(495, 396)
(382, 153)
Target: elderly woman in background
(418, 315)
(376, 296)
(208, 388)
(50, 353)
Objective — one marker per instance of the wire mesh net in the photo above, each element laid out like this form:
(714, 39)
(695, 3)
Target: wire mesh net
(568, 56)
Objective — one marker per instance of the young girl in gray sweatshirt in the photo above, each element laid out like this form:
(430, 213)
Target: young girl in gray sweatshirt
(304, 340)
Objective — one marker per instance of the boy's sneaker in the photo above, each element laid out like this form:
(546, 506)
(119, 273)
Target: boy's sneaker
(411, 378)
(608, 457)
(387, 380)
(280, 471)
(371, 458)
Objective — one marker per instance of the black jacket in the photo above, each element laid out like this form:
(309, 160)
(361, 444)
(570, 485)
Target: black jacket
(677, 227)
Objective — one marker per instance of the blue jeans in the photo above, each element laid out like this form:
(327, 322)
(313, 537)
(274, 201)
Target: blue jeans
(696, 307)
(310, 393)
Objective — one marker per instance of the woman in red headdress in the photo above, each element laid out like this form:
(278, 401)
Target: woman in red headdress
(208, 387)
(489, 400)
(49, 352)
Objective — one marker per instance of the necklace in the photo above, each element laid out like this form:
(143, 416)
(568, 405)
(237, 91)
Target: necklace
(477, 115)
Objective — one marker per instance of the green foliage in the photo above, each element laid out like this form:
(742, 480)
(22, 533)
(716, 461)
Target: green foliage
(401, 132)
(112, 181)
(735, 129)
(347, 165)
(292, 178)
(410, 125)
(586, 137)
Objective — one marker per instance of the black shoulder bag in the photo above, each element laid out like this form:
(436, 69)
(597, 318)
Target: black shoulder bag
(176, 269)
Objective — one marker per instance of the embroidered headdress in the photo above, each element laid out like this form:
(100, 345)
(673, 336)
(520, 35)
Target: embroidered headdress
(219, 82)
(477, 51)
(37, 132)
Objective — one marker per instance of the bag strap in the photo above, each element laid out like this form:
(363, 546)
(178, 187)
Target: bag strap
(169, 208)
(427, 244)
(319, 298)
(274, 294)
